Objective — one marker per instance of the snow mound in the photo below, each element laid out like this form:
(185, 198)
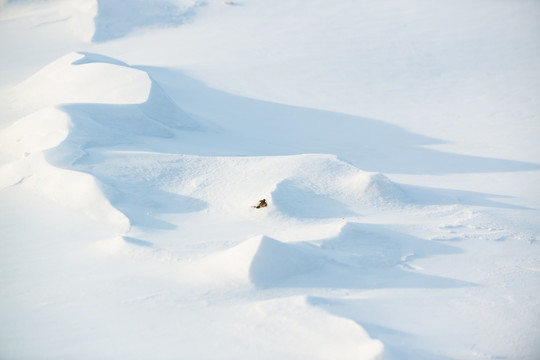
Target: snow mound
(300, 187)
(376, 246)
(261, 261)
(101, 105)
(105, 99)
(74, 190)
(275, 261)
(304, 325)
(335, 193)
(102, 109)
(298, 201)
(39, 131)
(24, 145)
(68, 80)
(360, 256)
(79, 79)
(78, 102)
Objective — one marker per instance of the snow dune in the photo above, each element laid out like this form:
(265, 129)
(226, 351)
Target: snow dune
(101, 104)
(355, 258)
(49, 136)
(128, 226)
(77, 148)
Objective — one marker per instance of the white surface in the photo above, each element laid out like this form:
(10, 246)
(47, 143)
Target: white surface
(395, 142)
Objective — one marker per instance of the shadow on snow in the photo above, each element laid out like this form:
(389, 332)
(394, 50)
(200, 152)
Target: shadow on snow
(184, 116)
(364, 256)
(251, 127)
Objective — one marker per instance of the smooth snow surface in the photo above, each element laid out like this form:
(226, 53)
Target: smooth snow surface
(394, 142)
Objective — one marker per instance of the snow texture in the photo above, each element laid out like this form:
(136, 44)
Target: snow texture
(395, 144)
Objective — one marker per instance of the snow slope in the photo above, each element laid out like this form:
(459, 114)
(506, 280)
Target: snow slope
(403, 210)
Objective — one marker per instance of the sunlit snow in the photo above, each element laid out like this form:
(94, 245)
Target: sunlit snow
(395, 143)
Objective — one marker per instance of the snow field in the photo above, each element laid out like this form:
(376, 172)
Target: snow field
(130, 161)
(286, 181)
(58, 152)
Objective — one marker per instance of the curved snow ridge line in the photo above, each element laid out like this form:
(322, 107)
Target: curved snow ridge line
(83, 78)
(72, 189)
(110, 91)
(36, 144)
(376, 246)
(260, 261)
(296, 187)
(358, 256)
(26, 140)
(24, 146)
(78, 191)
(104, 97)
(105, 102)
(307, 324)
(339, 195)
(307, 186)
(265, 262)
(37, 132)
(300, 187)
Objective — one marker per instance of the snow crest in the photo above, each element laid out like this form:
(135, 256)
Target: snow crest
(401, 204)
(261, 261)
(97, 101)
(111, 143)
(102, 107)
(108, 143)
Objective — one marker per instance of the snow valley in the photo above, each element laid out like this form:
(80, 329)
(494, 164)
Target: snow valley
(395, 145)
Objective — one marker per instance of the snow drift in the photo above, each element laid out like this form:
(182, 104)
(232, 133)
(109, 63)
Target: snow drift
(102, 107)
(400, 224)
(261, 261)
(63, 124)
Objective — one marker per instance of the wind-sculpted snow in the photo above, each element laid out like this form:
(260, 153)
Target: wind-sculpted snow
(114, 104)
(82, 146)
(229, 185)
(254, 127)
(360, 256)
(171, 171)
(140, 114)
(99, 144)
(261, 261)
(84, 78)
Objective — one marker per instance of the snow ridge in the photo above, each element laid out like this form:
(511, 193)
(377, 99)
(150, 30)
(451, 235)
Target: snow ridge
(120, 106)
(98, 101)
(169, 170)
(106, 143)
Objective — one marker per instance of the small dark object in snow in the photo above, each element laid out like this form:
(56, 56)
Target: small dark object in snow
(262, 203)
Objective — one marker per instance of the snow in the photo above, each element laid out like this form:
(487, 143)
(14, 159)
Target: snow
(395, 143)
